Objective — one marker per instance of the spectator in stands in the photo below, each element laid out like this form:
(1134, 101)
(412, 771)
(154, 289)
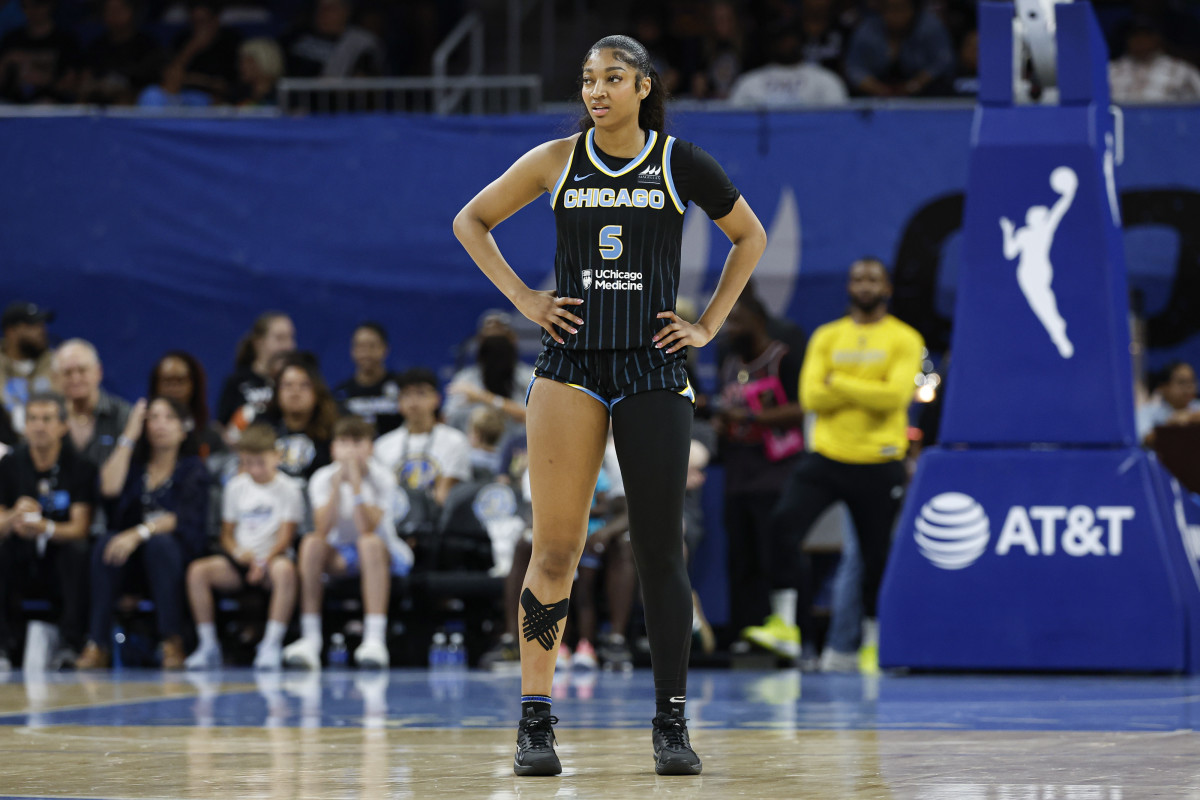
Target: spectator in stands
(248, 391)
(424, 453)
(260, 66)
(95, 417)
(663, 50)
(123, 61)
(485, 429)
(374, 390)
(498, 377)
(352, 500)
(758, 423)
(47, 494)
(722, 50)
(40, 62)
(904, 51)
(330, 47)
(1146, 74)
(261, 509)
(25, 359)
(157, 490)
(608, 548)
(1172, 401)
(302, 412)
(203, 66)
(966, 77)
(1176, 20)
(788, 79)
(823, 38)
(179, 376)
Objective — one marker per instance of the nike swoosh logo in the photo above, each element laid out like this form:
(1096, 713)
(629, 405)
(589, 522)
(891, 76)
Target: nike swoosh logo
(582, 177)
(679, 699)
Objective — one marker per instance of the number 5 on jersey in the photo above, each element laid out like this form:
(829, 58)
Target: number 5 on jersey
(610, 242)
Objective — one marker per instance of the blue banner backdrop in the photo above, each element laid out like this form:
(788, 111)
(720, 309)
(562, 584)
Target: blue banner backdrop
(147, 234)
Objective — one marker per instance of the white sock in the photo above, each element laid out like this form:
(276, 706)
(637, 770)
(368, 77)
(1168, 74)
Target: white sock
(207, 632)
(870, 632)
(274, 635)
(310, 627)
(783, 605)
(375, 627)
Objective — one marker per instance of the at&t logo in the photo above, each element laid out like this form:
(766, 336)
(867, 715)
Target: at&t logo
(952, 530)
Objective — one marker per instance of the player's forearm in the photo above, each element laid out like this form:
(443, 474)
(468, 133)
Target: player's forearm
(481, 246)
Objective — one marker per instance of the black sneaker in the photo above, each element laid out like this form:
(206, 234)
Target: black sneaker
(673, 753)
(615, 655)
(535, 746)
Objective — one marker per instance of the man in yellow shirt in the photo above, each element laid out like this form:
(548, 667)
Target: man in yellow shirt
(857, 378)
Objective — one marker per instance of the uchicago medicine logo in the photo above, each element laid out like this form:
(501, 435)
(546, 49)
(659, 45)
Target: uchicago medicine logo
(952, 530)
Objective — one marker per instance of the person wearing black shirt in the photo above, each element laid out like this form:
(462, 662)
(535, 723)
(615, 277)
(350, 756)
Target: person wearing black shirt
(156, 489)
(759, 420)
(302, 413)
(40, 62)
(373, 392)
(613, 350)
(47, 494)
(246, 393)
(122, 61)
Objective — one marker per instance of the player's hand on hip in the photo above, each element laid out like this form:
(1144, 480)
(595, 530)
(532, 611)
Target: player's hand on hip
(550, 311)
(680, 333)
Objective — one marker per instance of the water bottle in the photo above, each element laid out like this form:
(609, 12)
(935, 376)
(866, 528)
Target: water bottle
(118, 647)
(456, 653)
(338, 656)
(437, 651)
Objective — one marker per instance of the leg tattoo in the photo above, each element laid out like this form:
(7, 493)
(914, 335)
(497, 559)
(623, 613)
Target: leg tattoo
(541, 621)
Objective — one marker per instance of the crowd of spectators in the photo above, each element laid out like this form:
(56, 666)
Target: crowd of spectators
(749, 52)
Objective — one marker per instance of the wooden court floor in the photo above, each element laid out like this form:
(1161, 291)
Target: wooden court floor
(416, 734)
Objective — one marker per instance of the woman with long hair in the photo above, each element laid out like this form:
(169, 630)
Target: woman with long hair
(178, 375)
(613, 349)
(246, 393)
(302, 412)
(156, 488)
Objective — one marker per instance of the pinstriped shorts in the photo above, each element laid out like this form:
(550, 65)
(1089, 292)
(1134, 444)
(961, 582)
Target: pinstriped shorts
(612, 375)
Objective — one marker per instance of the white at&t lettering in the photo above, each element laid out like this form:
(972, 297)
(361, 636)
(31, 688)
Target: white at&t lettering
(1080, 536)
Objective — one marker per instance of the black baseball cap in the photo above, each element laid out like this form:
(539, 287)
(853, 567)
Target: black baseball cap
(20, 312)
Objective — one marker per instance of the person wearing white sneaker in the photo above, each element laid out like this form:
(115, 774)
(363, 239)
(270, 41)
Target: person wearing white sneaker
(352, 500)
(261, 509)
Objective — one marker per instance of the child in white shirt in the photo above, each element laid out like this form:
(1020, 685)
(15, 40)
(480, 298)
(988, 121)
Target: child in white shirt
(261, 509)
(352, 501)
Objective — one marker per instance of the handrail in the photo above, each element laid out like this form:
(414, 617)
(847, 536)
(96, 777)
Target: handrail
(471, 25)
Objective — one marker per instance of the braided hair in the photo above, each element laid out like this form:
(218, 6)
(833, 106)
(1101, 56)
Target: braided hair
(652, 114)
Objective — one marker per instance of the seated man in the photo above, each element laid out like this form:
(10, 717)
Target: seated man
(47, 493)
(260, 511)
(424, 453)
(352, 501)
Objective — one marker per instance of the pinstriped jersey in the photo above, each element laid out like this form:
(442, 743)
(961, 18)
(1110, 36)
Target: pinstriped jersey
(619, 233)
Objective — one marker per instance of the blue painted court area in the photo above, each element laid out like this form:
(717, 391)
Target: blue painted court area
(730, 700)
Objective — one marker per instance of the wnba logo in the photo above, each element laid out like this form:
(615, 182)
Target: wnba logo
(587, 279)
(952, 531)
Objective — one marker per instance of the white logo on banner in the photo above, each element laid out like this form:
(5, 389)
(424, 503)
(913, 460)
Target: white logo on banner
(952, 531)
(1032, 243)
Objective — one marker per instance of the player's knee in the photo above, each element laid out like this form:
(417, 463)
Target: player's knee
(556, 563)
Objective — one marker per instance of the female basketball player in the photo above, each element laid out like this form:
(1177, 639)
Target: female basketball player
(613, 347)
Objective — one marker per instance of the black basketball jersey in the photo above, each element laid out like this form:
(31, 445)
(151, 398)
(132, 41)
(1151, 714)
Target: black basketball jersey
(619, 237)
